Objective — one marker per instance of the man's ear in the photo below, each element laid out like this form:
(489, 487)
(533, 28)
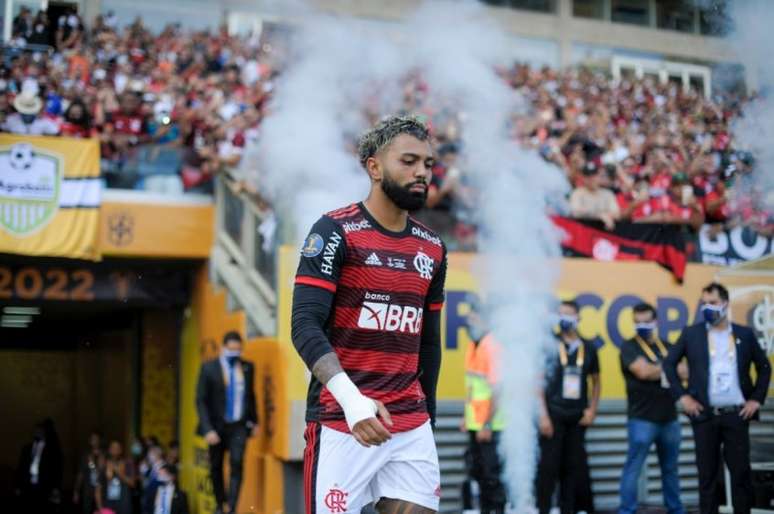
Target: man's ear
(374, 169)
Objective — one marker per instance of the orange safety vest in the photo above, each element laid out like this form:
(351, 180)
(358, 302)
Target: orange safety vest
(481, 374)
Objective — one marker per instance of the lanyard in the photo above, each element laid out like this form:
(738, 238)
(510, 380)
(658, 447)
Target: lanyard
(578, 358)
(731, 348)
(649, 352)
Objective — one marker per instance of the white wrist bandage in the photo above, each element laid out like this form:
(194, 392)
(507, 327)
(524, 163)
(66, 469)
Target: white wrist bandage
(356, 406)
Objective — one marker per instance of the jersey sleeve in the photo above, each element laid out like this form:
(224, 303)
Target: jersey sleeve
(435, 295)
(322, 256)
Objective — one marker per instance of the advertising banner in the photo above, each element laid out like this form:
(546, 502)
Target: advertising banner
(49, 196)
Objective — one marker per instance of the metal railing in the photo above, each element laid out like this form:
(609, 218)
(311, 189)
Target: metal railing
(246, 254)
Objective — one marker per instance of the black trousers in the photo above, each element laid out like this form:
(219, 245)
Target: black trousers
(233, 439)
(486, 469)
(563, 458)
(732, 433)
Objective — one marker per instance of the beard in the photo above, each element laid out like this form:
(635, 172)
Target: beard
(402, 196)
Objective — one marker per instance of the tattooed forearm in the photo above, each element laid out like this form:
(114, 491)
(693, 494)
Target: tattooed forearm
(326, 367)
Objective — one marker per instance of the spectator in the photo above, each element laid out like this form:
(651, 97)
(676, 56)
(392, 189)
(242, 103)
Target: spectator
(21, 27)
(77, 121)
(41, 30)
(39, 475)
(166, 497)
(114, 489)
(69, 30)
(676, 205)
(27, 119)
(592, 201)
(173, 453)
(90, 469)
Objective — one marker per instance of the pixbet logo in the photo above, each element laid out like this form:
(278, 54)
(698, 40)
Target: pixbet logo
(418, 232)
(356, 226)
(390, 317)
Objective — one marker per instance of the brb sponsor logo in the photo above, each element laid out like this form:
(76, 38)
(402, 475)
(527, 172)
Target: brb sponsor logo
(377, 313)
(418, 232)
(356, 226)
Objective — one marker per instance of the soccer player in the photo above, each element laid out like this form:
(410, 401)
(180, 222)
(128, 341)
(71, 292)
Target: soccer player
(366, 321)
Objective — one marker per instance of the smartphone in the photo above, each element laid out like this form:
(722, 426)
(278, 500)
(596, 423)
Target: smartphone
(687, 194)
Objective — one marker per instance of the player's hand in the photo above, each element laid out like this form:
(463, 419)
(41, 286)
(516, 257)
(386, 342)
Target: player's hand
(749, 409)
(212, 438)
(370, 431)
(546, 426)
(690, 405)
(588, 417)
(484, 435)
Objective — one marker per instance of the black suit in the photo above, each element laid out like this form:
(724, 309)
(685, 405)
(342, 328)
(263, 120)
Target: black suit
(211, 407)
(713, 429)
(36, 497)
(179, 502)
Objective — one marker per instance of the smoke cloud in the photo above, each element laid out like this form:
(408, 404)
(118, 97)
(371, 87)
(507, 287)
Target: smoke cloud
(304, 166)
(752, 38)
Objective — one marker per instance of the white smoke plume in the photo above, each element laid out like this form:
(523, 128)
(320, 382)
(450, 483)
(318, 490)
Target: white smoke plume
(752, 37)
(303, 164)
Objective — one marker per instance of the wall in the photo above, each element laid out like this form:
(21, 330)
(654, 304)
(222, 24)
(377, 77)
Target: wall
(205, 322)
(158, 375)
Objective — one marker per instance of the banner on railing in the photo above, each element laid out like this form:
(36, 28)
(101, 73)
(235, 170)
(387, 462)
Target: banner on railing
(729, 247)
(49, 196)
(663, 244)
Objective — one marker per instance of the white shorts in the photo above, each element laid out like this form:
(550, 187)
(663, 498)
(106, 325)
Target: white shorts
(341, 476)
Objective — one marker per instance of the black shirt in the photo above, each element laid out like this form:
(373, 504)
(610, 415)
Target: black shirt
(558, 406)
(647, 400)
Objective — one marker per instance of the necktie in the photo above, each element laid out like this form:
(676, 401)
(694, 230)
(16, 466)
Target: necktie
(164, 500)
(231, 393)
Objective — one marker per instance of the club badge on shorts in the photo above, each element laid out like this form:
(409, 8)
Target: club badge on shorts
(336, 501)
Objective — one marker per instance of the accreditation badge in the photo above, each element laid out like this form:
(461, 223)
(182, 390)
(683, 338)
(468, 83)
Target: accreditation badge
(664, 381)
(571, 383)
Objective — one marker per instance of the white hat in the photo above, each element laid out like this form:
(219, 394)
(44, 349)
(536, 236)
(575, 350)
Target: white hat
(27, 102)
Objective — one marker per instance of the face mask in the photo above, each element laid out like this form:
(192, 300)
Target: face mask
(645, 330)
(136, 449)
(567, 323)
(232, 356)
(713, 313)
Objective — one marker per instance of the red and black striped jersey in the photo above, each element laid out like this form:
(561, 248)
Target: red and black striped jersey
(383, 282)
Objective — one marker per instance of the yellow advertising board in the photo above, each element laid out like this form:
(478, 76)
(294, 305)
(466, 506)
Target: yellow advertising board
(133, 226)
(49, 196)
(206, 321)
(606, 292)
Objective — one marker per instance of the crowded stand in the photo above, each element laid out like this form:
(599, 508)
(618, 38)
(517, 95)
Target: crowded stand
(174, 109)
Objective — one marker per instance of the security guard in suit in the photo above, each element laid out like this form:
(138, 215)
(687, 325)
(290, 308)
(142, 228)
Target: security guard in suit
(721, 397)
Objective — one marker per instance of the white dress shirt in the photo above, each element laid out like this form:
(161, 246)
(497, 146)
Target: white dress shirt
(239, 393)
(164, 496)
(724, 389)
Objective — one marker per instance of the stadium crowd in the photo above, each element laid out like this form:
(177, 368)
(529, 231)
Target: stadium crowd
(173, 109)
(139, 480)
(170, 109)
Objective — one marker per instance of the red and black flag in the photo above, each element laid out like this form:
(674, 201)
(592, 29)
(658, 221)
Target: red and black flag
(661, 243)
